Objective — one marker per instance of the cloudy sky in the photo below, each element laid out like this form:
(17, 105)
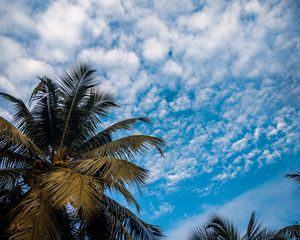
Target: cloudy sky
(220, 81)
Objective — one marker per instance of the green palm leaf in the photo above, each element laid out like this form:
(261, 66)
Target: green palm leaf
(33, 219)
(126, 223)
(12, 174)
(289, 232)
(126, 147)
(13, 135)
(223, 229)
(74, 84)
(112, 168)
(22, 115)
(105, 137)
(255, 231)
(86, 118)
(64, 186)
(113, 185)
(15, 157)
(201, 233)
(46, 112)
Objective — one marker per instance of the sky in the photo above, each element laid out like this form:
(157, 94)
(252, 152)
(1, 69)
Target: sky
(220, 81)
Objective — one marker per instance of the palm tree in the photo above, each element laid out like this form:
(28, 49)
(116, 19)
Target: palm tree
(291, 232)
(57, 165)
(220, 228)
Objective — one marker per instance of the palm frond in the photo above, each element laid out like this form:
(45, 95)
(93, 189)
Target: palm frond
(12, 174)
(295, 176)
(86, 118)
(120, 188)
(223, 228)
(33, 219)
(22, 116)
(74, 84)
(105, 137)
(255, 231)
(125, 223)
(46, 112)
(125, 124)
(201, 233)
(64, 186)
(289, 232)
(10, 178)
(15, 157)
(126, 147)
(9, 198)
(15, 136)
(112, 168)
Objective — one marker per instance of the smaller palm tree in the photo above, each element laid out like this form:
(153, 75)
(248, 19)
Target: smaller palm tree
(291, 232)
(220, 228)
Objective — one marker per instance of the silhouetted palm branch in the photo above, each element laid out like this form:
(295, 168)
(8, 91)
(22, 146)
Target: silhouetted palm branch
(295, 176)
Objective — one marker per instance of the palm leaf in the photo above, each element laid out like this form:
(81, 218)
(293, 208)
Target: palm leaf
(295, 176)
(9, 198)
(289, 232)
(255, 231)
(15, 157)
(120, 188)
(112, 168)
(201, 233)
(46, 113)
(12, 174)
(15, 136)
(126, 147)
(223, 229)
(126, 223)
(105, 136)
(22, 115)
(64, 186)
(9, 178)
(33, 219)
(74, 84)
(86, 118)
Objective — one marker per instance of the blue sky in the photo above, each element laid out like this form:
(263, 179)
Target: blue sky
(220, 81)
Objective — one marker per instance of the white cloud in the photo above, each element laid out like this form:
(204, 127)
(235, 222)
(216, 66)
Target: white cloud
(184, 168)
(7, 86)
(172, 68)
(111, 59)
(151, 26)
(254, 7)
(15, 18)
(163, 209)
(198, 21)
(177, 7)
(24, 69)
(154, 50)
(181, 103)
(60, 33)
(240, 144)
(5, 114)
(112, 8)
(11, 50)
(23, 73)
